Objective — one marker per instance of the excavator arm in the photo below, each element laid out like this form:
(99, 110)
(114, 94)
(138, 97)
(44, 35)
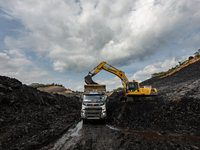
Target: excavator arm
(131, 89)
(103, 65)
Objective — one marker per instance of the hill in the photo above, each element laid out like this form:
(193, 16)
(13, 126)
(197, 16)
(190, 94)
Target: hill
(55, 89)
(184, 81)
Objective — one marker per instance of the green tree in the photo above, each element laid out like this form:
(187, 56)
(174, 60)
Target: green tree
(190, 58)
(197, 54)
(118, 89)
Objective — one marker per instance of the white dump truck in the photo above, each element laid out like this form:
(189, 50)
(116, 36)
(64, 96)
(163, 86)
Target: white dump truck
(94, 102)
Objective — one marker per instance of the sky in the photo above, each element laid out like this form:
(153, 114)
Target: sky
(60, 41)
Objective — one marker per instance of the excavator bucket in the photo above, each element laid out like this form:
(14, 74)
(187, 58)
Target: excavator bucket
(88, 80)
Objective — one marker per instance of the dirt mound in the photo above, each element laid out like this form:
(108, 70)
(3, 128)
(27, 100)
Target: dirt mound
(162, 116)
(55, 89)
(172, 118)
(29, 118)
(110, 93)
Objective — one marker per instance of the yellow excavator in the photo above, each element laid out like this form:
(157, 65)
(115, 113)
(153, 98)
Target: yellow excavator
(131, 88)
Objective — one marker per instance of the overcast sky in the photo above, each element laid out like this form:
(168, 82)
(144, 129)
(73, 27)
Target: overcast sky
(60, 41)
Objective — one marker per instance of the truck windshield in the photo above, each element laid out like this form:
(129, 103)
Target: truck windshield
(93, 98)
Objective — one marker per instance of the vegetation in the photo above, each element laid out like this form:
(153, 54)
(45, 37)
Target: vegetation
(158, 74)
(77, 92)
(196, 54)
(37, 85)
(190, 58)
(118, 89)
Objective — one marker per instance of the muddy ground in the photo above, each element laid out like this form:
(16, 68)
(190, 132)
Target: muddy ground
(146, 124)
(31, 119)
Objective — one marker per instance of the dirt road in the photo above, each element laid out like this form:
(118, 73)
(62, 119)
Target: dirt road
(99, 136)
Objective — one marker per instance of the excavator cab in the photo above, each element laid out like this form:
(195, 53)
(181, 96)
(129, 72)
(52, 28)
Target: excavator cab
(132, 87)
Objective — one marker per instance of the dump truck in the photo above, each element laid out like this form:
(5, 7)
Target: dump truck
(94, 102)
(132, 88)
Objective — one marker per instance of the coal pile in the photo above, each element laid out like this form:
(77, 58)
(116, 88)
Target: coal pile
(31, 119)
(184, 83)
(160, 115)
(175, 111)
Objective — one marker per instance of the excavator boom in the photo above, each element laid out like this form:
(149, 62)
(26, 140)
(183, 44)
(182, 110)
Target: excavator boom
(103, 65)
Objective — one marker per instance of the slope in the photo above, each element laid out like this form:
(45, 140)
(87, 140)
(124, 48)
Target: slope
(30, 119)
(185, 82)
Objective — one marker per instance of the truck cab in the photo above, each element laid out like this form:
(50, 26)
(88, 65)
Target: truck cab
(94, 102)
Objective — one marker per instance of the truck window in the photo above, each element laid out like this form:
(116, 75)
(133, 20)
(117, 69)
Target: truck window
(93, 98)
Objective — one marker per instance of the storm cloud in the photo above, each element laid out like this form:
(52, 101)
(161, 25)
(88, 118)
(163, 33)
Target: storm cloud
(75, 35)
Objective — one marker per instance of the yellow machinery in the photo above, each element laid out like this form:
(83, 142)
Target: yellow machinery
(131, 88)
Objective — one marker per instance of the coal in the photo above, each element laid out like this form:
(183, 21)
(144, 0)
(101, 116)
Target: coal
(30, 119)
(176, 110)
(185, 82)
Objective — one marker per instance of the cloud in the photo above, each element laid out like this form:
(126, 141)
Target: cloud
(75, 35)
(4, 62)
(6, 16)
(7, 63)
(15, 64)
(153, 68)
(79, 88)
(111, 83)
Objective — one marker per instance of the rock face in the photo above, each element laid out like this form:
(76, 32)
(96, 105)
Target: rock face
(29, 118)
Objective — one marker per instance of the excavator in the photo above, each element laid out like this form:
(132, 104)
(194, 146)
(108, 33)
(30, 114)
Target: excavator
(132, 89)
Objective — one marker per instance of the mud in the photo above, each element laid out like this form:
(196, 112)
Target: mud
(98, 136)
(156, 136)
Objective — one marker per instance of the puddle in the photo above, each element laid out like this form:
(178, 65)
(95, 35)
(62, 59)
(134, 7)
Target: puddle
(113, 128)
(76, 129)
(69, 138)
(156, 136)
